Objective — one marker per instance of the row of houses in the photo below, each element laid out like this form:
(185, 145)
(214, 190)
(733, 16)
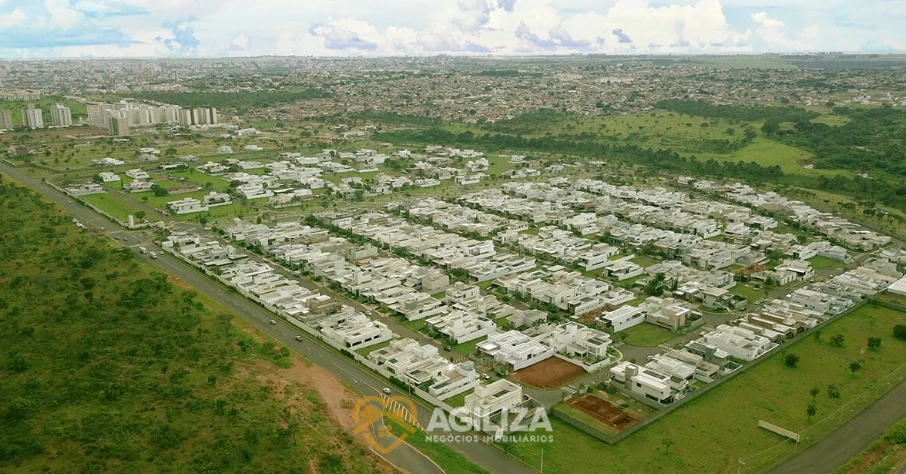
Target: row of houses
(850, 235)
(343, 327)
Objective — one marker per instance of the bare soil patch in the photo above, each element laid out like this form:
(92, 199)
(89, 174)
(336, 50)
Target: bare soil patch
(605, 412)
(549, 373)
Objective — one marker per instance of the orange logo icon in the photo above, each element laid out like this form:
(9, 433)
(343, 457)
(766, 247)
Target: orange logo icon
(369, 414)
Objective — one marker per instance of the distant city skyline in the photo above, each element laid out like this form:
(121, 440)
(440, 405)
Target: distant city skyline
(217, 28)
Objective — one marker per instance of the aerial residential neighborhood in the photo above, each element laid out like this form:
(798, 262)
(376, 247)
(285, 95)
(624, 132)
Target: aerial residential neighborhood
(482, 237)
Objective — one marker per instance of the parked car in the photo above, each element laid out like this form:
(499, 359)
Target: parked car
(142, 250)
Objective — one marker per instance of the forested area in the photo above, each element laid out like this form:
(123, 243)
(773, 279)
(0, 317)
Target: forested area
(747, 113)
(108, 367)
(872, 140)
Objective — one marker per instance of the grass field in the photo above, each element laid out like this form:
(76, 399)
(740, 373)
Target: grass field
(769, 153)
(467, 348)
(113, 203)
(712, 432)
(646, 335)
(824, 263)
(751, 294)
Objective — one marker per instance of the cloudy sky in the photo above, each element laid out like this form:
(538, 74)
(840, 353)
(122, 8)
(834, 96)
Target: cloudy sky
(186, 28)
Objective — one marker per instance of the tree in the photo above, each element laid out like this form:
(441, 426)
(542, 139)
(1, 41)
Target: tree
(140, 215)
(791, 360)
(811, 410)
(838, 340)
(899, 331)
(855, 366)
(874, 343)
(170, 151)
(771, 126)
(667, 442)
(814, 392)
(833, 391)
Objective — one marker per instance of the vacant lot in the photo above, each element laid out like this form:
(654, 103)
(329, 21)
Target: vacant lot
(605, 412)
(712, 432)
(549, 373)
(646, 335)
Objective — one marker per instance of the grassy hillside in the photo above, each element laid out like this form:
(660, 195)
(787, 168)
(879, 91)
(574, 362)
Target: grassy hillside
(107, 366)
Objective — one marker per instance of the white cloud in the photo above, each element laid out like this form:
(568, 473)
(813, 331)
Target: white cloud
(774, 33)
(61, 15)
(393, 27)
(13, 18)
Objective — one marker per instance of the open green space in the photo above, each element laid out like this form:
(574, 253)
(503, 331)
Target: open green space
(467, 348)
(751, 293)
(458, 400)
(767, 152)
(824, 263)
(646, 335)
(113, 203)
(109, 367)
(368, 350)
(725, 419)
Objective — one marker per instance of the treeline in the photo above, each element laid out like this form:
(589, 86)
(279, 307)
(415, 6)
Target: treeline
(872, 140)
(743, 113)
(586, 145)
(224, 100)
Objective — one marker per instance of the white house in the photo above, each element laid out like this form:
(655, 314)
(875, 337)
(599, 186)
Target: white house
(515, 349)
(492, 399)
(186, 206)
(622, 318)
(138, 174)
(643, 381)
(108, 176)
(357, 332)
(462, 326)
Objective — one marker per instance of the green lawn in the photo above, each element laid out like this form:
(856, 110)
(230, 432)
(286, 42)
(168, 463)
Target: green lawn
(711, 433)
(113, 203)
(467, 348)
(458, 400)
(368, 350)
(751, 294)
(824, 263)
(646, 335)
(643, 260)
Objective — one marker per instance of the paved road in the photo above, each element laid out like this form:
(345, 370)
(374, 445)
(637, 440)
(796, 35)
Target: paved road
(345, 369)
(851, 438)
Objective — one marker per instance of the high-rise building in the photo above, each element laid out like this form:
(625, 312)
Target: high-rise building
(6, 119)
(61, 116)
(118, 126)
(32, 118)
(96, 115)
